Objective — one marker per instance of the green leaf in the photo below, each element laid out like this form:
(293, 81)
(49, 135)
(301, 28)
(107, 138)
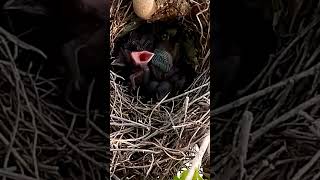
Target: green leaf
(195, 175)
(184, 175)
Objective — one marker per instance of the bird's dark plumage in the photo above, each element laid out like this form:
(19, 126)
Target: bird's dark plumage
(163, 89)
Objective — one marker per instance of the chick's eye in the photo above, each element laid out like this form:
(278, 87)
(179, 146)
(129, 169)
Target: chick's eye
(164, 36)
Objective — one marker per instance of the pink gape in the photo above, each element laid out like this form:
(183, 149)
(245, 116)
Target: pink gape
(141, 60)
(141, 57)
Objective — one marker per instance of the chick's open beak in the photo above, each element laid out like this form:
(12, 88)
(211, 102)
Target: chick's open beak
(141, 57)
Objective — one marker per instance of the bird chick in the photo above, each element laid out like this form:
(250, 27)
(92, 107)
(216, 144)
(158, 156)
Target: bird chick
(141, 71)
(135, 42)
(166, 56)
(151, 87)
(162, 60)
(163, 89)
(178, 81)
(169, 44)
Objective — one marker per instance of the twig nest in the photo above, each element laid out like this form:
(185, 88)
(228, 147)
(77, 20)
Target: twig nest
(170, 9)
(144, 8)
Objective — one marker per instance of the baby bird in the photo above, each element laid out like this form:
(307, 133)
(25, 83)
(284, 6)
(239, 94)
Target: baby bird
(151, 87)
(178, 81)
(166, 56)
(157, 60)
(158, 89)
(135, 42)
(152, 63)
(163, 89)
(141, 70)
(161, 64)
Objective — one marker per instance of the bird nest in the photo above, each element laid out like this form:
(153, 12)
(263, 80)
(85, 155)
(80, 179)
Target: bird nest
(155, 139)
(274, 132)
